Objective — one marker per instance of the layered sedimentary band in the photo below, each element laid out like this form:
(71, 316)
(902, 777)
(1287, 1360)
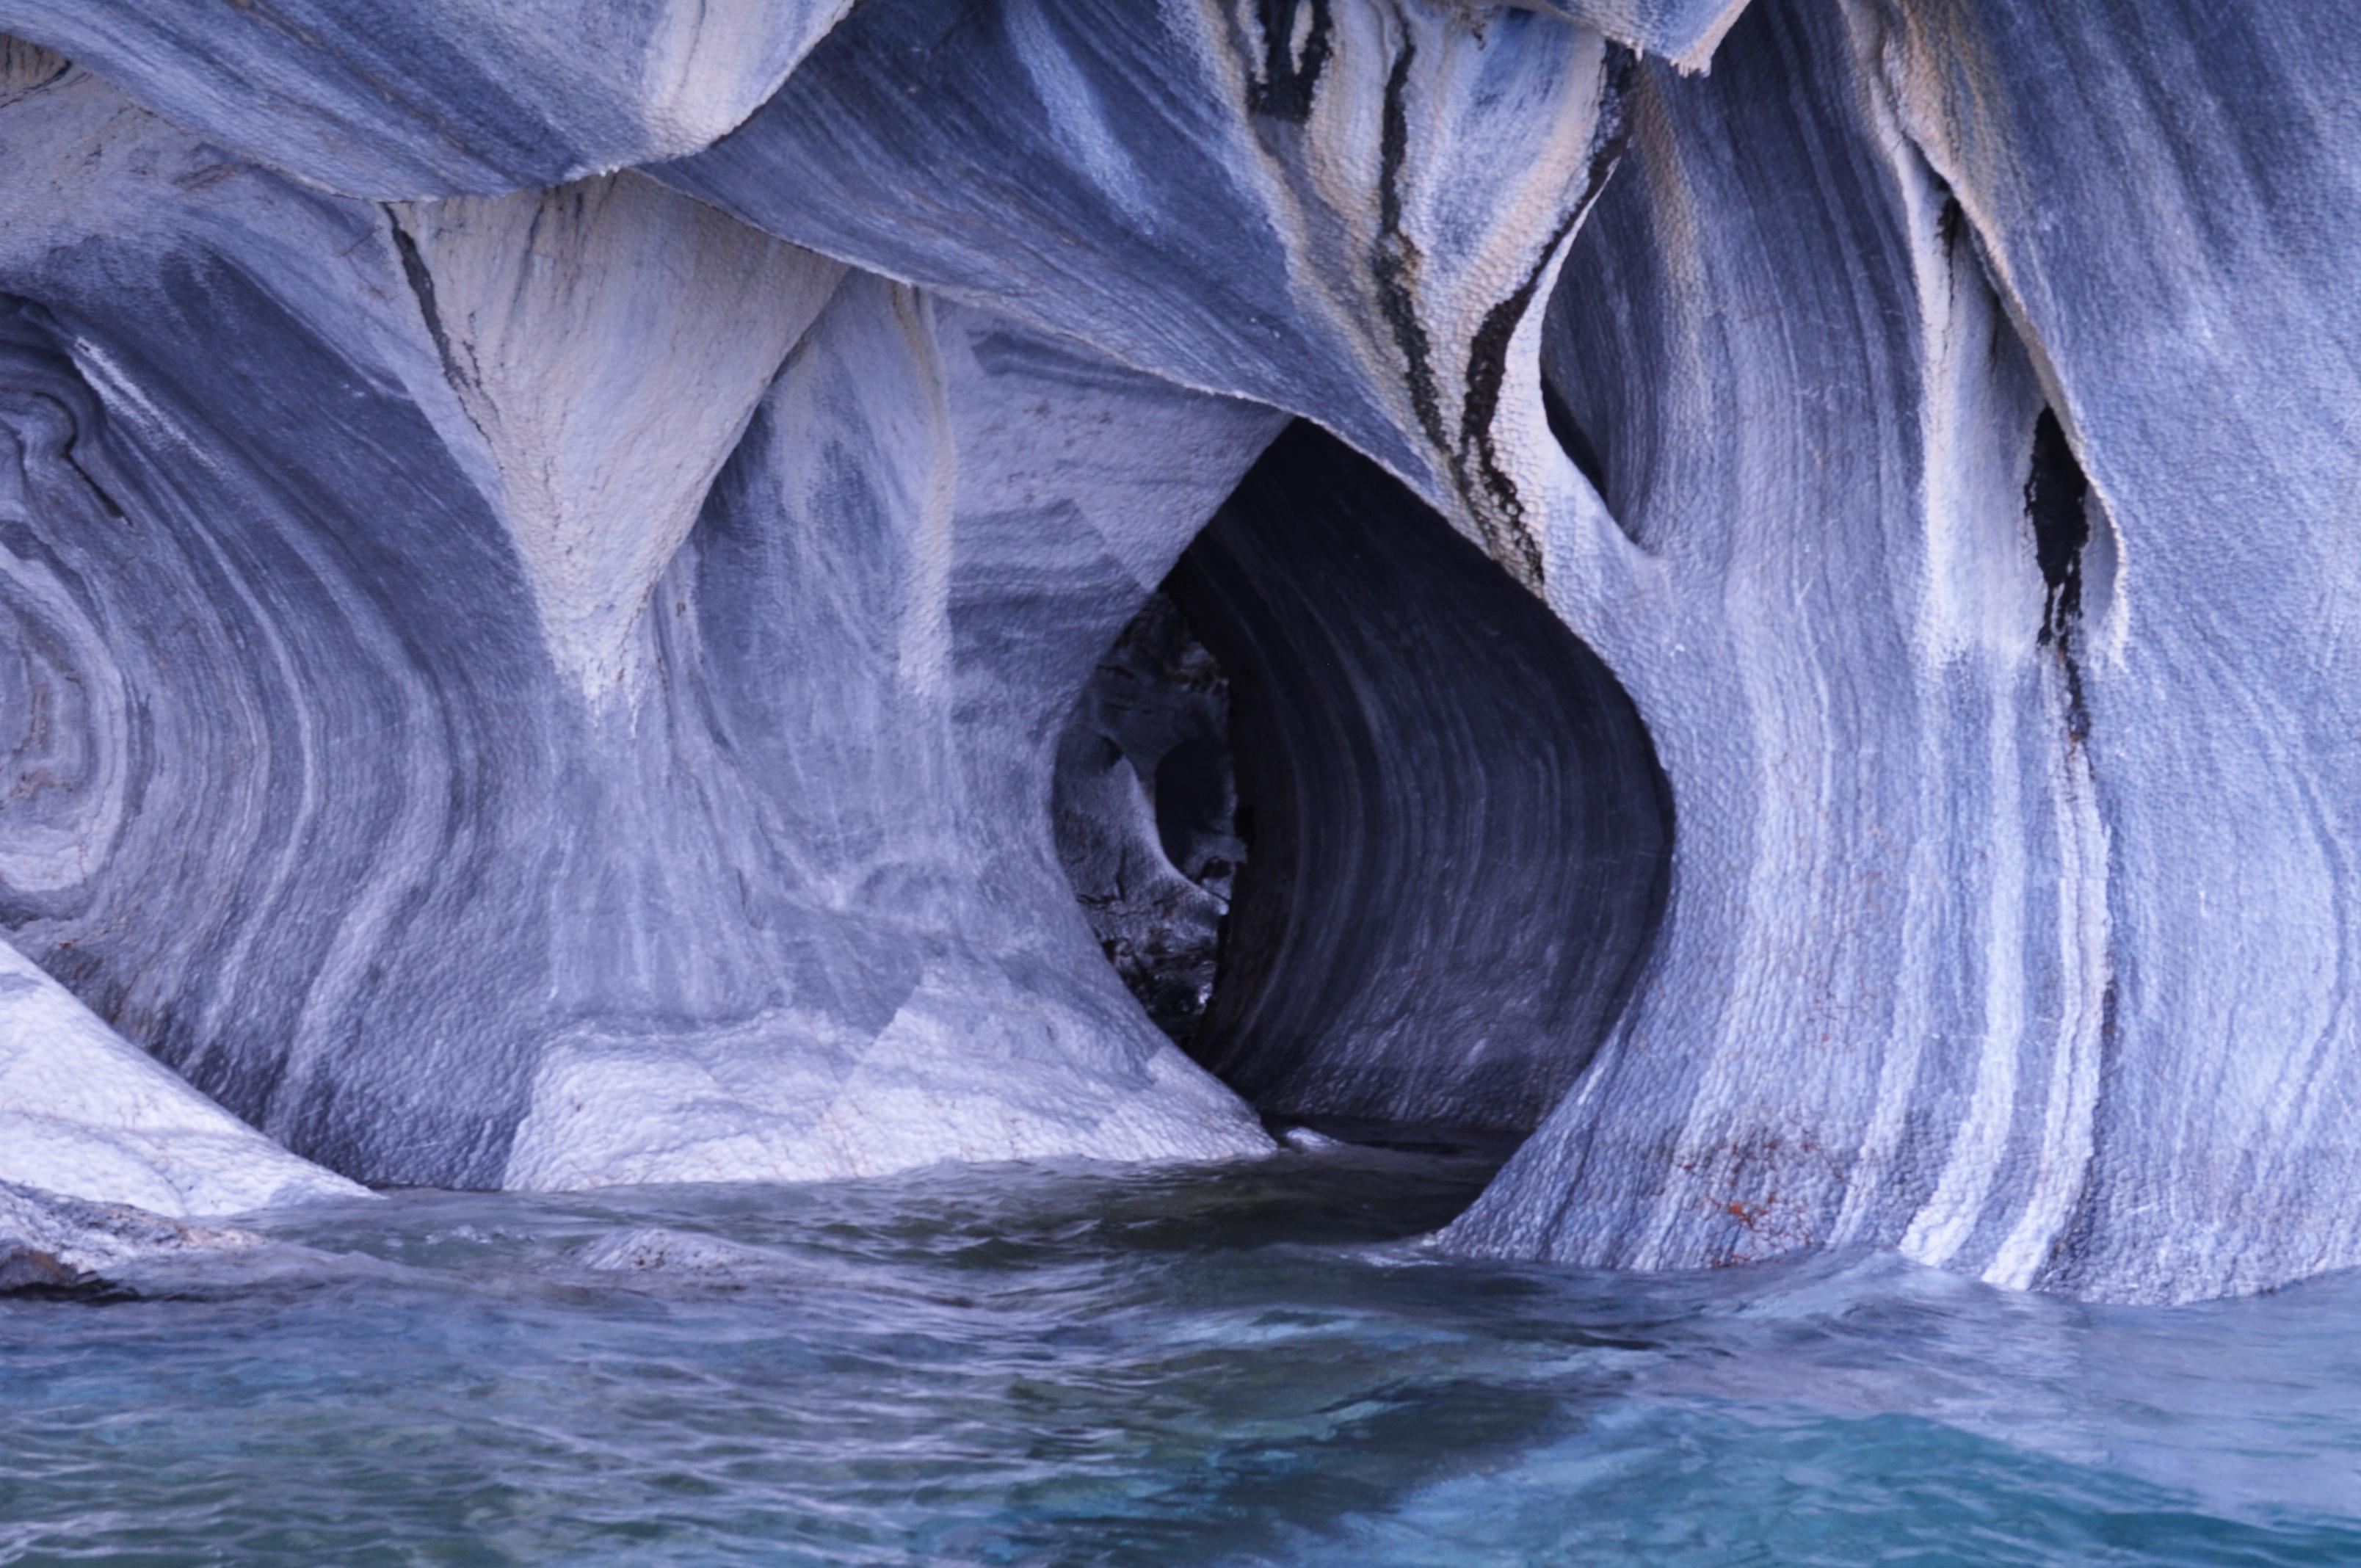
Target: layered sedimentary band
(416, 98)
(551, 553)
(86, 1113)
(1979, 596)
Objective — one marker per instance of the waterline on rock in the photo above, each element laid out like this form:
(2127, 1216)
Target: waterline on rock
(1261, 1362)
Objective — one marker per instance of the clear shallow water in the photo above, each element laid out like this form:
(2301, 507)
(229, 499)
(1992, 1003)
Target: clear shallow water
(1252, 1365)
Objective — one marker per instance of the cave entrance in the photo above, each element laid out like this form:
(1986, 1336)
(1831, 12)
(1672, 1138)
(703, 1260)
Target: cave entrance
(1360, 822)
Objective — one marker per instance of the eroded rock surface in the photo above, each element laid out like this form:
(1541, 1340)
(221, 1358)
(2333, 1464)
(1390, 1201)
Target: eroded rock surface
(71, 1247)
(87, 1115)
(1148, 812)
(1361, 231)
(411, 98)
(386, 774)
(561, 683)
(1975, 580)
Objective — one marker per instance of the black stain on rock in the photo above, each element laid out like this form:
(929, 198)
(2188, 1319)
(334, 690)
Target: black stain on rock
(1394, 264)
(2057, 493)
(1395, 261)
(1951, 222)
(2057, 503)
(1487, 354)
(1290, 78)
(414, 272)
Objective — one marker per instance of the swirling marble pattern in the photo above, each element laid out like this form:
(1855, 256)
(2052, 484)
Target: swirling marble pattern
(398, 99)
(330, 820)
(2168, 201)
(1970, 772)
(1445, 898)
(1360, 231)
(560, 683)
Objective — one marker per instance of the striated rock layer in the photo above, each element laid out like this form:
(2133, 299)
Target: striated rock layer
(1874, 1013)
(1359, 231)
(412, 98)
(389, 774)
(525, 670)
(1459, 829)
(1985, 516)
(87, 1115)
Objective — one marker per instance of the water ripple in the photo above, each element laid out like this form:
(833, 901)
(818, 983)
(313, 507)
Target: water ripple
(1257, 1364)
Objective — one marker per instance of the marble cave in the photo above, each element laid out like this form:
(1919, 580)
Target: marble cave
(1749, 605)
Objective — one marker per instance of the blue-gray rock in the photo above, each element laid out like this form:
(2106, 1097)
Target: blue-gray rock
(1445, 895)
(560, 684)
(84, 1113)
(414, 98)
(72, 1248)
(2169, 199)
(1980, 510)
(397, 771)
(1349, 211)
(1685, 32)
(24, 66)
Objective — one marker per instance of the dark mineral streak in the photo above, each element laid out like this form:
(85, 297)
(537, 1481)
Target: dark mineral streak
(552, 555)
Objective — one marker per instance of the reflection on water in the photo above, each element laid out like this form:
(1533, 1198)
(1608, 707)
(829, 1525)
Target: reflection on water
(1258, 1363)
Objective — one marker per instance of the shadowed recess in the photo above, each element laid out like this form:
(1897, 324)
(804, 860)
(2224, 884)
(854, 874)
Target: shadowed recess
(1457, 830)
(1145, 809)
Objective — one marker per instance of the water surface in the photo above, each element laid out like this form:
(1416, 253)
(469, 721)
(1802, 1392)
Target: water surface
(1254, 1364)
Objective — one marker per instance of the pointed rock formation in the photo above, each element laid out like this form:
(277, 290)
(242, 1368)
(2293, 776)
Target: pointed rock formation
(86, 1113)
(338, 800)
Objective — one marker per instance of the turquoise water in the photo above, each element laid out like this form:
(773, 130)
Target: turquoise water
(1258, 1363)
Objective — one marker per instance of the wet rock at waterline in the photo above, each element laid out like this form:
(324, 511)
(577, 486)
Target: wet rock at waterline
(69, 1248)
(552, 596)
(84, 1113)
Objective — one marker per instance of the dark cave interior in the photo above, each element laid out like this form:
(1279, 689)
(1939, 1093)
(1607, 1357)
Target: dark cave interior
(1361, 824)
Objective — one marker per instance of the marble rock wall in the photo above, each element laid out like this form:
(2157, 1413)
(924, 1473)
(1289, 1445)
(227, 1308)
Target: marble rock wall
(416, 98)
(549, 549)
(1969, 388)
(562, 689)
(1459, 834)
(86, 1113)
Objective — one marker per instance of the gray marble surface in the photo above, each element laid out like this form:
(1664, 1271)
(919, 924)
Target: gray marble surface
(1345, 211)
(415, 98)
(546, 551)
(2010, 914)
(451, 833)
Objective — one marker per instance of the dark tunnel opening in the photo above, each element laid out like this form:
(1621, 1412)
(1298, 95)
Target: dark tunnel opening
(1362, 824)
